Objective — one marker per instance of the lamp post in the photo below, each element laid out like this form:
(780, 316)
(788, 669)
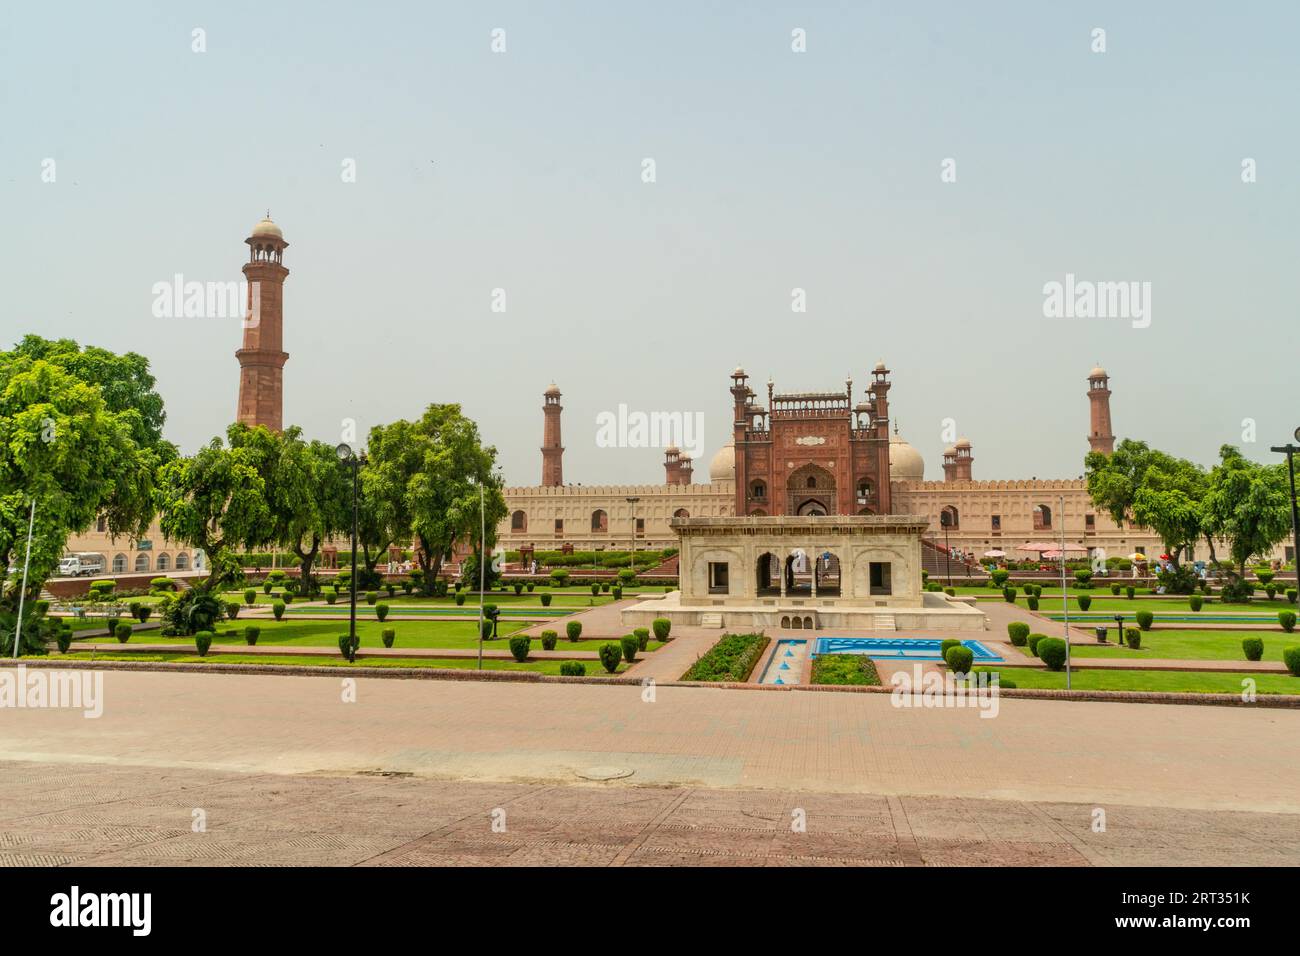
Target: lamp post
(1065, 599)
(945, 519)
(22, 593)
(632, 501)
(344, 451)
(1290, 451)
(482, 568)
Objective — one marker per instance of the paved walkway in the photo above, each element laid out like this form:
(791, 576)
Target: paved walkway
(815, 742)
(103, 815)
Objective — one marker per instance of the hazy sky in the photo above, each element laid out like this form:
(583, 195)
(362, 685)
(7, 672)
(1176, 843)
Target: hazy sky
(775, 170)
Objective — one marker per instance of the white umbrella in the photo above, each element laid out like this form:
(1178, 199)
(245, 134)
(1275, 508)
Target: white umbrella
(995, 553)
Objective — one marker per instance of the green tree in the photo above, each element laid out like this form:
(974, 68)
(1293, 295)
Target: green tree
(1247, 505)
(1151, 488)
(424, 479)
(216, 500)
(78, 454)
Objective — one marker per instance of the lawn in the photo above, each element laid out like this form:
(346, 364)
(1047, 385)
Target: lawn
(594, 668)
(1264, 610)
(844, 669)
(457, 634)
(1192, 645)
(1167, 681)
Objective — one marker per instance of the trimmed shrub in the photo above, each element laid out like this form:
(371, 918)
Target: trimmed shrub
(1009, 595)
(1027, 588)
(519, 647)
(1083, 578)
(1032, 602)
(1051, 651)
(1033, 640)
(944, 645)
(1287, 620)
(1130, 591)
(642, 635)
(267, 586)
(64, 639)
(545, 598)
(1018, 632)
(122, 632)
(1292, 594)
(1114, 589)
(388, 635)
(573, 629)
(460, 598)
(1133, 638)
(1253, 648)
(1144, 619)
(1084, 601)
(559, 578)
(144, 613)
(250, 595)
(372, 597)
(277, 608)
(348, 646)
(529, 586)
(486, 630)
(627, 576)
(999, 577)
(1291, 657)
(1196, 602)
(162, 584)
(595, 590)
(381, 612)
(732, 658)
(331, 596)
(549, 640)
(1264, 577)
(1271, 591)
(232, 609)
(202, 641)
(628, 643)
(610, 656)
(574, 669)
(617, 591)
(287, 597)
(604, 586)
(662, 627)
(959, 658)
(251, 633)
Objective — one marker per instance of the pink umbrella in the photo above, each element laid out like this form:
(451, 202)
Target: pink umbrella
(1040, 548)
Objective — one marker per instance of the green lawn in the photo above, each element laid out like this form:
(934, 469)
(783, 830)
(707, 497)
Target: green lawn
(594, 668)
(326, 634)
(1168, 681)
(1192, 645)
(844, 669)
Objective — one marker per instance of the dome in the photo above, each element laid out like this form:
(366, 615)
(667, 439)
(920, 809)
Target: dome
(738, 372)
(950, 451)
(267, 228)
(672, 450)
(723, 465)
(1098, 372)
(880, 366)
(962, 442)
(905, 462)
(552, 390)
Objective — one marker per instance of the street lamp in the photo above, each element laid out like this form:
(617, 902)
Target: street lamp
(632, 501)
(346, 456)
(1290, 451)
(945, 519)
(482, 567)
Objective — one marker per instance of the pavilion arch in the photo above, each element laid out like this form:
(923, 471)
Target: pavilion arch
(950, 518)
(865, 490)
(599, 520)
(142, 561)
(768, 574)
(119, 563)
(811, 491)
(164, 562)
(518, 521)
(1042, 518)
(182, 561)
(681, 513)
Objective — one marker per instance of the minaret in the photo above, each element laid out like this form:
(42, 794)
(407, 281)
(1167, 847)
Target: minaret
(962, 460)
(1100, 437)
(262, 358)
(552, 450)
(677, 467)
(950, 463)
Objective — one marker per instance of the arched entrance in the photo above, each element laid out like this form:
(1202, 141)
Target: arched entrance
(769, 575)
(826, 567)
(810, 490)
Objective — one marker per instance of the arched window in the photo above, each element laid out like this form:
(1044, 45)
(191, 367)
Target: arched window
(681, 513)
(864, 490)
(164, 562)
(142, 561)
(518, 521)
(119, 563)
(948, 518)
(812, 481)
(1042, 517)
(182, 562)
(757, 489)
(599, 520)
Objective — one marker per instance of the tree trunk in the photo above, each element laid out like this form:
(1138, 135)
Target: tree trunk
(305, 560)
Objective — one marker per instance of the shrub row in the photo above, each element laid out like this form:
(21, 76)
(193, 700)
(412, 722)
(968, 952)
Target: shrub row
(732, 658)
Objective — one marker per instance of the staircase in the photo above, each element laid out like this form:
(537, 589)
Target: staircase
(934, 559)
(712, 619)
(665, 569)
(883, 622)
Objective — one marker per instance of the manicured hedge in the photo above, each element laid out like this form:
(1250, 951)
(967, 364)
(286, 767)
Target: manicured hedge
(845, 669)
(731, 659)
(1253, 648)
(1018, 631)
(1051, 651)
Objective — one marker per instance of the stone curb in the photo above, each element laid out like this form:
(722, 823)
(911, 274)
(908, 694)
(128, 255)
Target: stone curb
(1285, 701)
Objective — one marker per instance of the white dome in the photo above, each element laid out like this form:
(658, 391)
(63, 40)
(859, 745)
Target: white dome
(723, 465)
(905, 462)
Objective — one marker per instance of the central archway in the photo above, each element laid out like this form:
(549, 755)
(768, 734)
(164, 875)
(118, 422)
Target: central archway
(811, 491)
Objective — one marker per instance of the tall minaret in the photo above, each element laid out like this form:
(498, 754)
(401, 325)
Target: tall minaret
(261, 360)
(1100, 437)
(552, 450)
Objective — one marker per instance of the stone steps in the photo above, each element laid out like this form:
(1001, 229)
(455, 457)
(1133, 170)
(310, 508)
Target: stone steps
(713, 619)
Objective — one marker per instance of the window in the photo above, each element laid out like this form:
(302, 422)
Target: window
(718, 577)
(559, 526)
(880, 577)
(101, 525)
(681, 513)
(182, 562)
(757, 489)
(519, 521)
(864, 491)
(640, 525)
(812, 481)
(1042, 517)
(119, 563)
(997, 522)
(164, 562)
(948, 518)
(599, 520)
(1090, 522)
(142, 561)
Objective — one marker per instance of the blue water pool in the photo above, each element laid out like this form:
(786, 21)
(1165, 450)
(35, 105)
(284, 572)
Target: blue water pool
(897, 648)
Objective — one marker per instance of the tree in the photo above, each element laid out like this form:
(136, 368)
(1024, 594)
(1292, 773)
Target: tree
(216, 500)
(1153, 489)
(81, 449)
(1248, 505)
(308, 491)
(424, 480)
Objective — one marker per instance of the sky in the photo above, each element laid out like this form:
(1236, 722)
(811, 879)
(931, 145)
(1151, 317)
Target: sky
(524, 170)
